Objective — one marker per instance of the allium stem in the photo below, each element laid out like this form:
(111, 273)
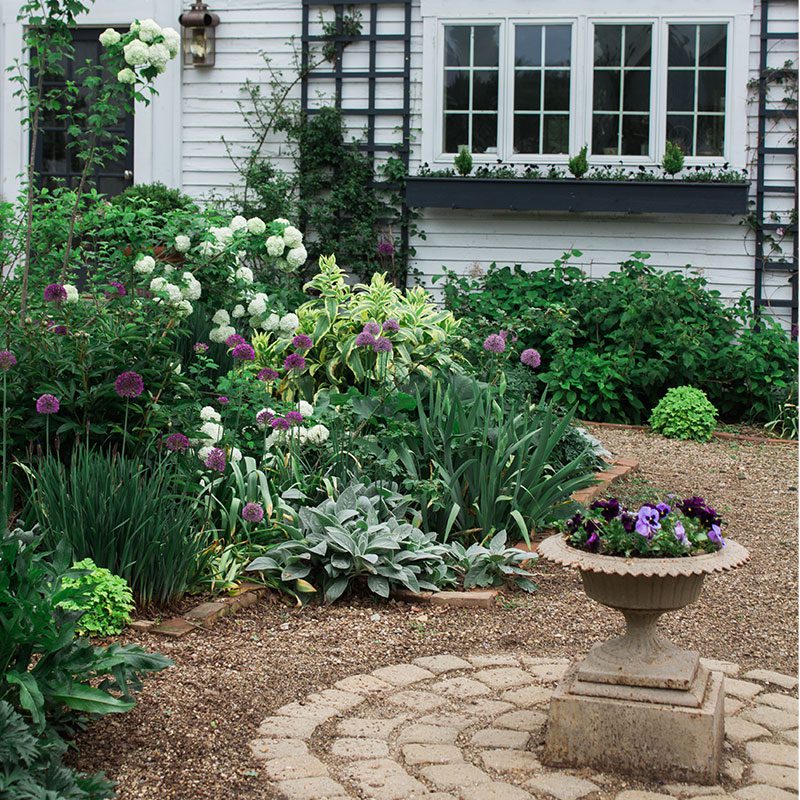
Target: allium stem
(125, 428)
(6, 509)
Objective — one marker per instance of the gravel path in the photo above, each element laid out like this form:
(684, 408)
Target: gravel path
(188, 736)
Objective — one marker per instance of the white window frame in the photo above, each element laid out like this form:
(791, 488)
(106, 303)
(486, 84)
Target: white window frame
(736, 14)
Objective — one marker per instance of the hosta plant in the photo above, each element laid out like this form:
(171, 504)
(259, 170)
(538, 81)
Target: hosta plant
(684, 413)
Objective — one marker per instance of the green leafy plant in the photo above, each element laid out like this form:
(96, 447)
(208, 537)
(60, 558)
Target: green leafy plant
(107, 600)
(493, 564)
(579, 165)
(672, 163)
(684, 413)
(463, 161)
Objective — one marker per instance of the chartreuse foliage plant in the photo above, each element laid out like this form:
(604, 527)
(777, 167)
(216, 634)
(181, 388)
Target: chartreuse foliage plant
(684, 413)
(107, 603)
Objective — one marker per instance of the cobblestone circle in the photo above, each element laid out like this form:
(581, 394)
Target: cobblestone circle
(448, 728)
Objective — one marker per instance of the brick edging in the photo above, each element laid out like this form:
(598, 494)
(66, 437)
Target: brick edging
(734, 437)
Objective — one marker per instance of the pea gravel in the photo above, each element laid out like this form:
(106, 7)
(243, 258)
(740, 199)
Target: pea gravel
(187, 737)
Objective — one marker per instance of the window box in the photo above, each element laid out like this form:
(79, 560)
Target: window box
(620, 197)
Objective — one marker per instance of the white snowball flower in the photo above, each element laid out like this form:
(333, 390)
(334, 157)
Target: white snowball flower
(136, 53)
(109, 36)
(220, 334)
(126, 75)
(158, 56)
(173, 292)
(289, 323)
(256, 226)
(172, 41)
(192, 290)
(237, 223)
(184, 307)
(145, 265)
(235, 454)
(72, 293)
(212, 431)
(282, 221)
(296, 257)
(157, 285)
(149, 29)
(238, 311)
(318, 434)
(306, 409)
(209, 414)
(258, 305)
(275, 246)
(222, 234)
(271, 323)
(221, 317)
(210, 248)
(168, 270)
(245, 274)
(204, 452)
(292, 236)
(182, 243)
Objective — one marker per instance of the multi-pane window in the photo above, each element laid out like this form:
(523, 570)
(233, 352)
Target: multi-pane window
(621, 89)
(696, 66)
(542, 56)
(471, 87)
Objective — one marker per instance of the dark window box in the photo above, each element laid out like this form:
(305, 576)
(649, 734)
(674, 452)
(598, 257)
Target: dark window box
(620, 197)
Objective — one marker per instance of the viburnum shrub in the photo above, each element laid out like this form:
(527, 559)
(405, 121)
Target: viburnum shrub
(684, 413)
(658, 530)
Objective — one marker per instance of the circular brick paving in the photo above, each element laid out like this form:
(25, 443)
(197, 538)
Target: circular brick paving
(447, 728)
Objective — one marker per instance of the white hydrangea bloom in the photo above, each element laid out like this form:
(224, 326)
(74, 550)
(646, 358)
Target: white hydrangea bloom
(173, 293)
(271, 323)
(221, 317)
(318, 434)
(157, 284)
(237, 223)
(209, 414)
(289, 323)
(212, 430)
(126, 75)
(282, 221)
(182, 243)
(145, 265)
(245, 274)
(172, 41)
(220, 334)
(292, 236)
(136, 53)
(256, 226)
(204, 452)
(275, 246)
(109, 36)
(222, 234)
(306, 409)
(72, 293)
(158, 56)
(184, 307)
(281, 263)
(258, 305)
(210, 248)
(168, 270)
(191, 290)
(238, 311)
(296, 257)
(149, 29)
(235, 454)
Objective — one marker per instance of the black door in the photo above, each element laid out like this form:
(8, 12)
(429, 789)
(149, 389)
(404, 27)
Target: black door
(56, 161)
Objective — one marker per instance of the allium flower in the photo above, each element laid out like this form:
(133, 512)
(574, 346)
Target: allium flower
(494, 343)
(372, 327)
(530, 358)
(216, 459)
(294, 361)
(235, 339)
(55, 293)
(267, 374)
(253, 512)
(365, 339)
(47, 404)
(243, 352)
(200, 347)
(222, 400)
(302, 342)
(265, 416)
(294, 417)
(7, 360)
(59, 330)
(383, 345)
(385, 248)
(715, 536)
(391, 325)
(280, 424)
(119, 288)
(129, 385)
(177, 442)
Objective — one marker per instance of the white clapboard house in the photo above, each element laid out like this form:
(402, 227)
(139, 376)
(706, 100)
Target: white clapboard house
(522, 82)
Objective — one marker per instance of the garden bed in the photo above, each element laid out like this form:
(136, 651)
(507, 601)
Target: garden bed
(620, 197)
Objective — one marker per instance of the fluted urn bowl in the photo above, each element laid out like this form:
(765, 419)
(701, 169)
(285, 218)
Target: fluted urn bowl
(642, 589)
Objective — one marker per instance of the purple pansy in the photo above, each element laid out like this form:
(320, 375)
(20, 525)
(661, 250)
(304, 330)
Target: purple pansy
(647, 521)
(715, 536)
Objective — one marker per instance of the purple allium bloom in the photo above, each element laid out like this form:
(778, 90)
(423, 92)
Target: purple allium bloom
(222, 400)
(294, 417)
(294, 361)
(715, 536)
(365, 339)
(54, 293)
(530, 358)
(267, 374)
(200, 347)
(383, 345)
(235, 339)
(243, 352)
(253, 512)
(385, 248)
(59, 330)
(47, 404)
(280, 424)
(177, 442)
(372, 327)
(264, 417)
(494, 343)
(7, 360)
(680, 533)
(391, 325)
(302, 342)
(647, 521)
(216, 459)
(129, 385)
(608, 508)
(119, 288)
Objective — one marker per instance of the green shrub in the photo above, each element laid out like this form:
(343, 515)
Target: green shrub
(107, 602)
(161, 198)
(579, 165)
(672, 163)
(684, 413)
(463, 161)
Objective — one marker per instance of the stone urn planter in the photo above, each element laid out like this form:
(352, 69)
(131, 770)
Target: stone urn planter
(638, 703)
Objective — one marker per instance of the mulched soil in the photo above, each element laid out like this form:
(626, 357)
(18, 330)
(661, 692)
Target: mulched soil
(187, 737)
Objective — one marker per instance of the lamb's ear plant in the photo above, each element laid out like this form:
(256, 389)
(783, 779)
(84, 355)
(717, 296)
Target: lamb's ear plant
(492, 564)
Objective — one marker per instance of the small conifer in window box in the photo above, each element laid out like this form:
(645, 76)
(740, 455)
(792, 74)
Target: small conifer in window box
(463, 161)
(579, 165)
(672, 163)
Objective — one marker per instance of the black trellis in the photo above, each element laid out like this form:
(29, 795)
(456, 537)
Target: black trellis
(763, 263)
(340, 38)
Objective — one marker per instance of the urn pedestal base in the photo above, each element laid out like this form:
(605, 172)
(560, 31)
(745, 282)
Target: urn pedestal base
(670, 733)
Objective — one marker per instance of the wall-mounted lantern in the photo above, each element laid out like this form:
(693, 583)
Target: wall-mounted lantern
(198, 35)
